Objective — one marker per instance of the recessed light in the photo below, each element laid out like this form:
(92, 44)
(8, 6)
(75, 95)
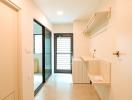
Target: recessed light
(59, 13)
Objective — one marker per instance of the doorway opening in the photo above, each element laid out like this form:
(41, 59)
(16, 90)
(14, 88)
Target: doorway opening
(63, 51)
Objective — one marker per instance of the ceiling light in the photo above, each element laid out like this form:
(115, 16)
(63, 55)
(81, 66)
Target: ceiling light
(59, 13)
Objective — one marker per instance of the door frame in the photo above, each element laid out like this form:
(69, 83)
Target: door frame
(55, 48)
(50, 51)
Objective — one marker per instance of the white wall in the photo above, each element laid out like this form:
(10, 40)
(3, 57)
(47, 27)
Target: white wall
(28, 12)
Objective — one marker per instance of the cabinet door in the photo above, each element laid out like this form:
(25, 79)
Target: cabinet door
(74, 72)
(80, 72)
(8, 51)
(85, 78)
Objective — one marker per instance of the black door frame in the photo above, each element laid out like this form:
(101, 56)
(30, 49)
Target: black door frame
(51, 53)
(43, 55)
(55, 51)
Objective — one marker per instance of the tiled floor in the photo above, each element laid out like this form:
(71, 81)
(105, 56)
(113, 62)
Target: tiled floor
(60, 87)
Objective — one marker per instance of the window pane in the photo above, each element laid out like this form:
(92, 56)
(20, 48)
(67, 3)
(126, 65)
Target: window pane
(37, 29)
(64, 61)
(63, 45)
(38, 43)
(47, 53)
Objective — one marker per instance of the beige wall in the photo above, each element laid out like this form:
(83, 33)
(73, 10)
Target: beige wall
(118, 36)
(81, 42)
(28, 12)
(121, 69)
(63, 28)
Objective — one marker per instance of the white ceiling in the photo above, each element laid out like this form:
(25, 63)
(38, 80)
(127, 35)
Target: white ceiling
(73, 9)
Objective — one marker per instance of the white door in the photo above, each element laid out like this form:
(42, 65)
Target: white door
(8, 52)
(122, 66)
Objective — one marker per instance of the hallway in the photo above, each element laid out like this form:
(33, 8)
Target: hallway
(60, 87)
(98, 51)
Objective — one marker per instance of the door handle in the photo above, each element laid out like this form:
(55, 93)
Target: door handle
(116, 53)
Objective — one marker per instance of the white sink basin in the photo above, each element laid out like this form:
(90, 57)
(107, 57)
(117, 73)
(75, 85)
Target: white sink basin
(87, 58)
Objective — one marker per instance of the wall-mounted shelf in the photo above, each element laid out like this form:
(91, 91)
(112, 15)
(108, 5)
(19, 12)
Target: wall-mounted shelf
(96, 22)
(98, 79)
(100, 72)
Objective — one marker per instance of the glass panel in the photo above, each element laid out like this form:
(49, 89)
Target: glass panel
(47, 54)
(37, 29)
(38, 44)
(63, 52)
(63, 45)
(38, 76)
(63, 61)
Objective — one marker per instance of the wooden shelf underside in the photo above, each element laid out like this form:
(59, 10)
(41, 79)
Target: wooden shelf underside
(98, 79)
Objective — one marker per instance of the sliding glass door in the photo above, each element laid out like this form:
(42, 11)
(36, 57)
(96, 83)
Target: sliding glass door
(42, 55)
(48, 66)
(38, 55)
